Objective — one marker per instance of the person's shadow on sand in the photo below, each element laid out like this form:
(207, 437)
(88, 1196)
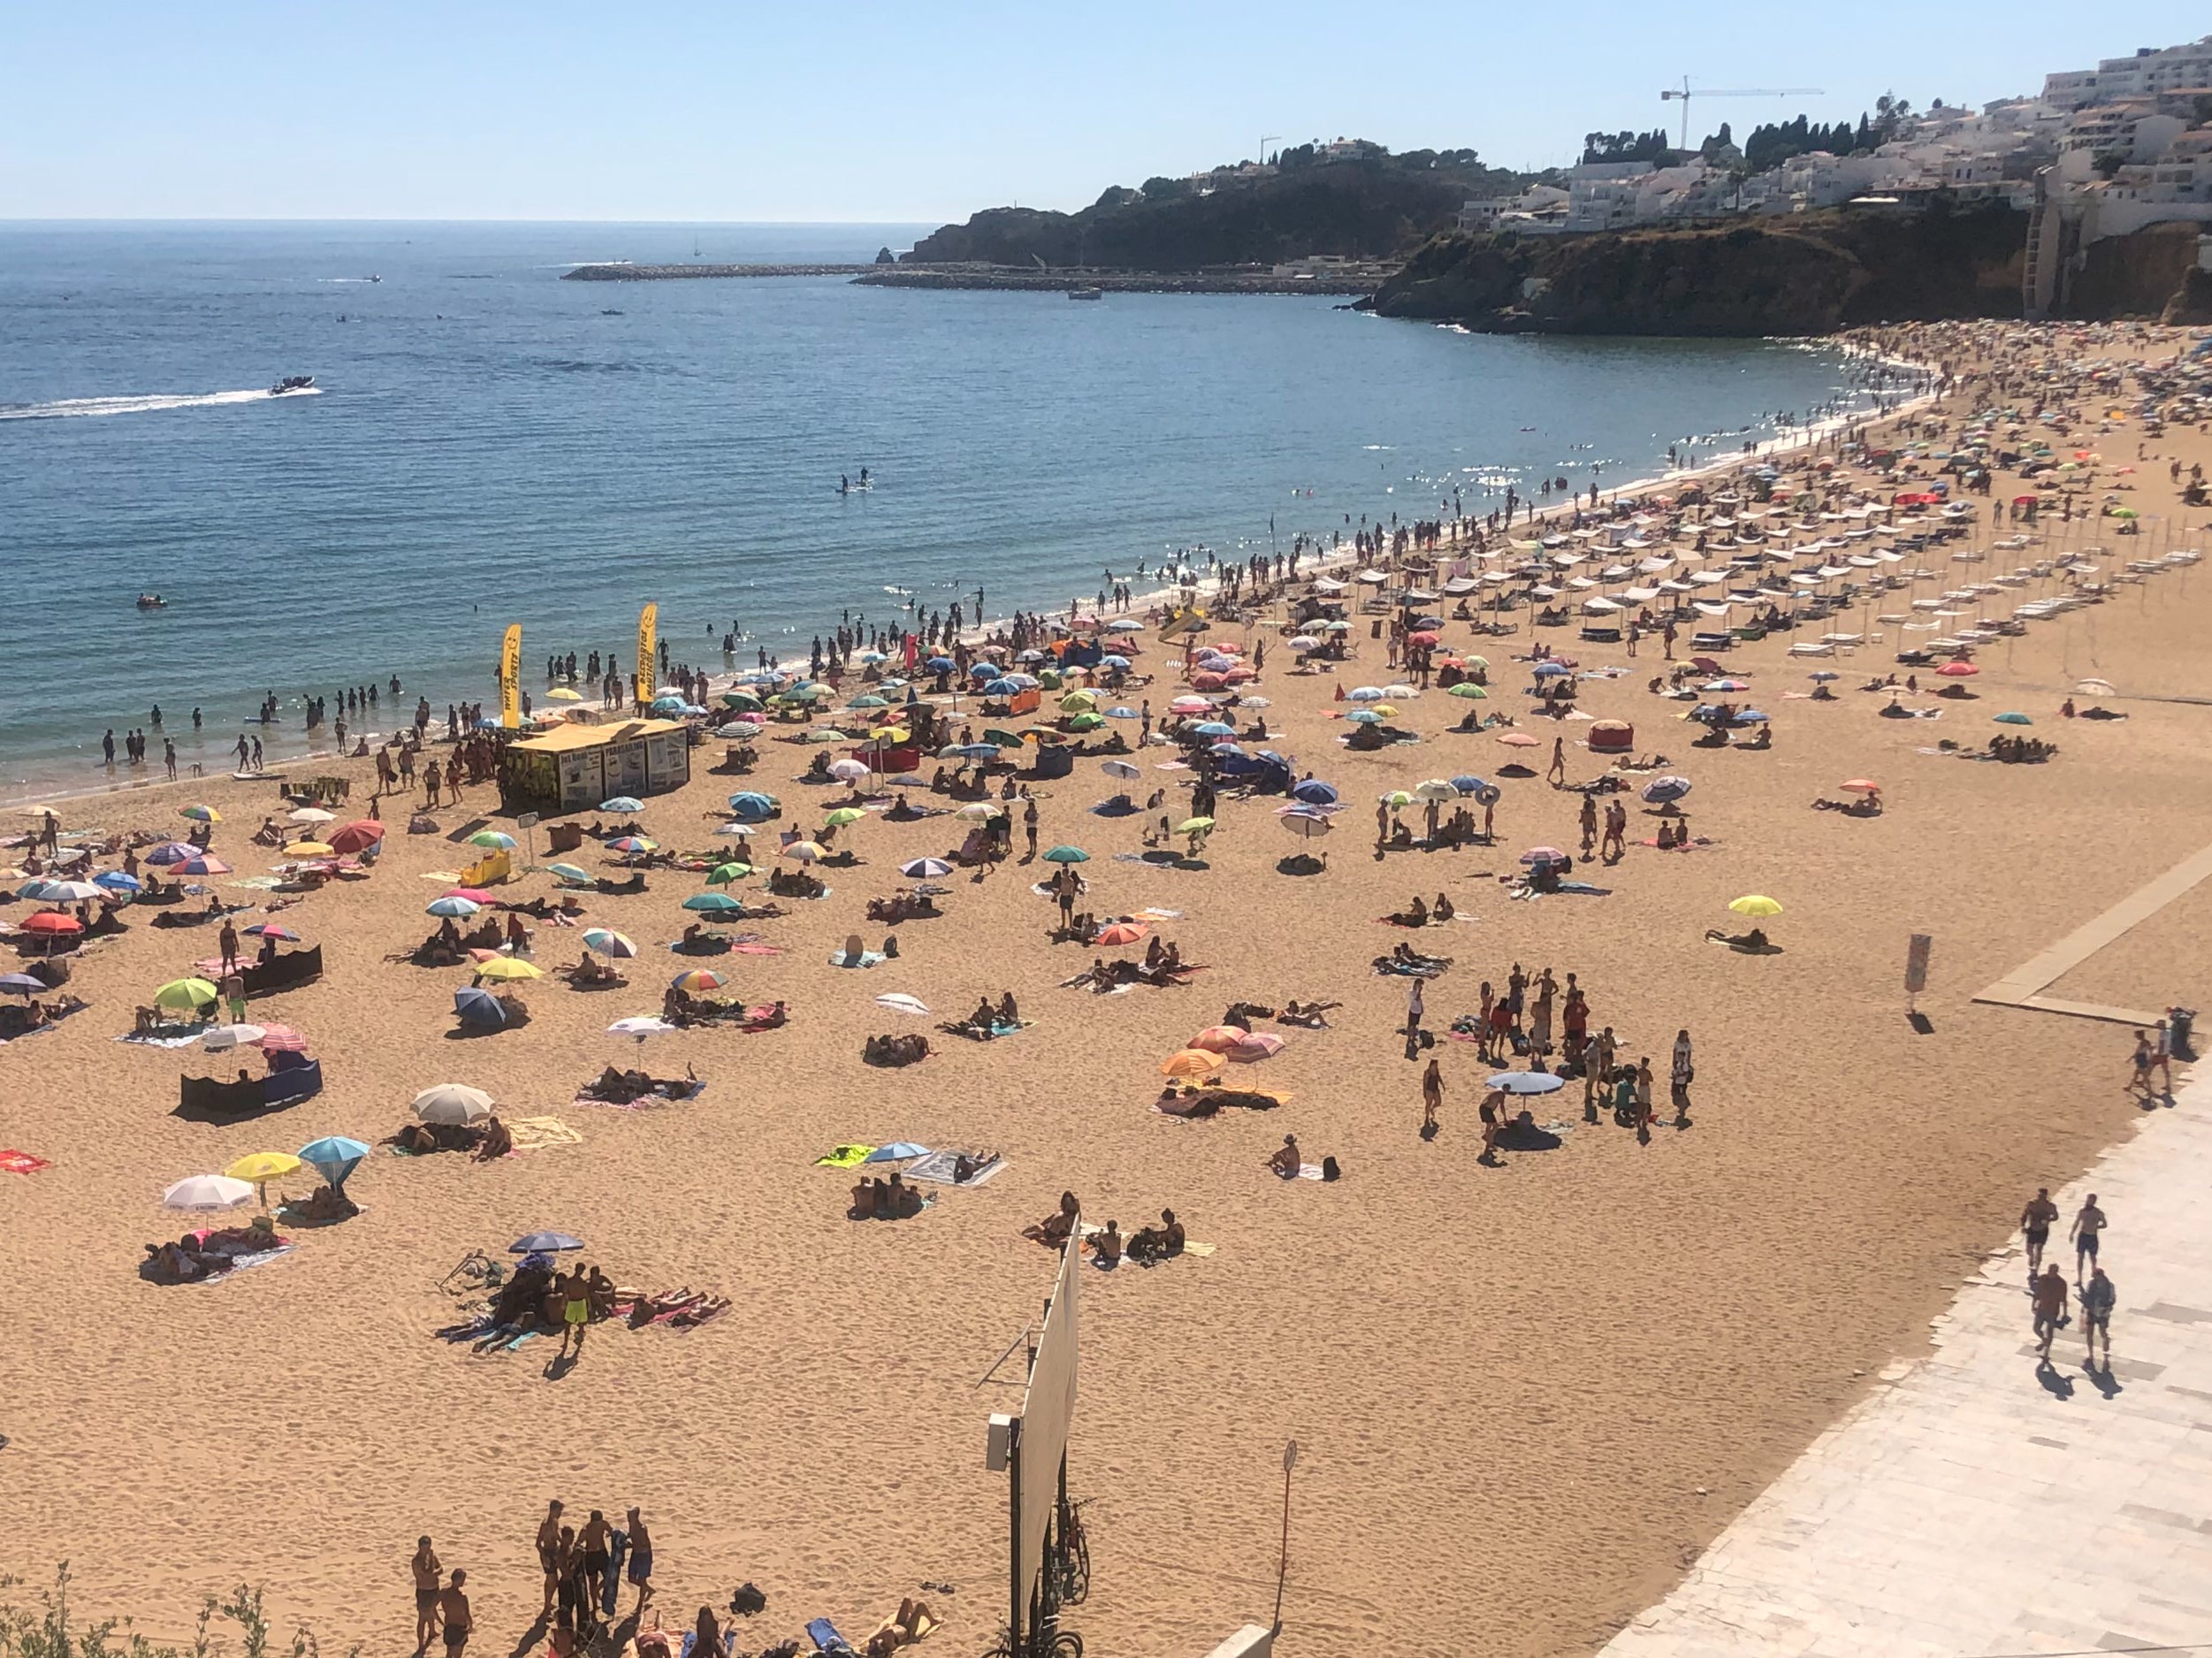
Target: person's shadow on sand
(2057, 1385)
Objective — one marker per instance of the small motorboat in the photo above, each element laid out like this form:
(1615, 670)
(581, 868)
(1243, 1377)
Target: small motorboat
(152, 601)
(1086, 294)
(293, 383)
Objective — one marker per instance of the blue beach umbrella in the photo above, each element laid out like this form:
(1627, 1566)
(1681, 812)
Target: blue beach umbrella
(941, 664)
(115, 881)
(621, 803)
(1467, 782)
(1214, 728)
(479, 1007)
(1123, 714)
(1551, 670)
(1313, 791)
(897, 1151)
(712, 903)
(2013, 719)
(543, 1243)
(1366, 694)
(455, 908)
(333, 1157)
(23, 985)
(751, 807)
(985, 670)
(1665, 791)
(1364, 716)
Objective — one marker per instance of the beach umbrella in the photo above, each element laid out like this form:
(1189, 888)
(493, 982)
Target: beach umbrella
(980, 812)
(115, 881)
(828, 733)
(1214, 728)
(1365, 693)
(478, 1007)
(357, 837)
(848, 770)
(1191, 1064)
(310, 815)
(1257, 1045)
(2086, 688)
(54, 923)
(23, 985)
(1552, 670)
(1467, 782)
(1526, 1081)
(1087, 721)
(280, 1039)
(474, 895)
(500, 969)
(204, 864)
(2013, 719)
(1755, 904)
(897, 1151)
(751, 807)
(640, 1027)
(1861, 785)
(736, 730)
(224, 1037)
(898, 1000)
(1218, 1038)
(1364, 716)
(1469, 690)
(692, 981)
(545, 1243)
(1307, 825)
(1665, 791)
(492, 840)
(722, 874)
(844, 815)
(208, 1191)
(452, 1104)
(925, 869)
(1518, 739)
(1539, 855)
(68, 892)
(1075, 854)
(454, 908)
(172, 853)
(712, 903)
(260, 1167)
(185, 993)
(1958, 670)
(308, 849)
(569, 872)
(632, 843)
(1397, 799)
(1122, 769)
(1435, 789)
(1313, 791)
(1194, 825)
(1120, 712)
(200, 813)
(801, 851)
(562, 693)
(609, 943)
(939, 665)
(333, 1157)
(1121, 933)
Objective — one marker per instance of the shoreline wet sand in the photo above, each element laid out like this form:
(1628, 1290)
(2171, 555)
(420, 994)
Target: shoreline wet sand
(1525, 1395)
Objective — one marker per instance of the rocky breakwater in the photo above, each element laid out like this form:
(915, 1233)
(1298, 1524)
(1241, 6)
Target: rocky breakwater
(1803, 274)
(679, 273)
(1348, 281)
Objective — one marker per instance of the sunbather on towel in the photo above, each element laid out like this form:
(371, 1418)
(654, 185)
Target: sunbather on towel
(1105, 1247)
(1054, 1229)
(1754, 940)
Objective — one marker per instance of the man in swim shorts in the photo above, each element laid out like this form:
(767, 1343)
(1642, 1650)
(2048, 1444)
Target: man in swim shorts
(575, 1309)
(2035, 1227)
(425, 1568)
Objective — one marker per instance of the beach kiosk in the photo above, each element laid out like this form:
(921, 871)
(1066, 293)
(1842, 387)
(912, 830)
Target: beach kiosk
(573, 767)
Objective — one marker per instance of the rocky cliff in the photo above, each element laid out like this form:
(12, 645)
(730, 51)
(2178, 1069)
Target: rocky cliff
(1806, 274)
(1362, 211)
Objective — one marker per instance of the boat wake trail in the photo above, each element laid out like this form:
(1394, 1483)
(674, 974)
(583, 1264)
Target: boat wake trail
(69, 408)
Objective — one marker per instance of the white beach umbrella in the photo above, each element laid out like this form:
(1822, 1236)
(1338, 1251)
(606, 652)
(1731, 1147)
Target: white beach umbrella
(208, 1191)
(452, 1103)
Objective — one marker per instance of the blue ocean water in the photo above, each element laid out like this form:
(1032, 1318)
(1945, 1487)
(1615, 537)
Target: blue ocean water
(488, 444)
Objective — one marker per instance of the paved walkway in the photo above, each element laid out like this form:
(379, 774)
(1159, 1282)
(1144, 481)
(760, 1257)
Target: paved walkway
(1972, 1506)
(2023, 987)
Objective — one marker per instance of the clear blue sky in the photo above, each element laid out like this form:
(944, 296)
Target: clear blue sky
(886, 112)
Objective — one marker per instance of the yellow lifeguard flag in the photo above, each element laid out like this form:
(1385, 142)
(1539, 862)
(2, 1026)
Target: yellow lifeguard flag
(648, 620)
(511, 677)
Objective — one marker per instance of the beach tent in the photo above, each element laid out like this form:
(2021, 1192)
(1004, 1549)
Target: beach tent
(1612, 736)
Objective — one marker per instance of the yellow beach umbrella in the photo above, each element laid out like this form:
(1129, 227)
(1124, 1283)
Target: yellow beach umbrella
(844, 815)
(1192, 1063)
(185, 993)
(262, 1167)
(803, 852)
(561, 693)
(310, 849)
(1756, 903)
(503, 968)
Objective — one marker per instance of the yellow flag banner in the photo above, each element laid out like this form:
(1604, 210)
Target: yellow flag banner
(511, 677)
(648, 620)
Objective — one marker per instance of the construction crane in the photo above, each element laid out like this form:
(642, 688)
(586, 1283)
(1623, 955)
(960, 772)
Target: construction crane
(1265, 140)
(1685, 94)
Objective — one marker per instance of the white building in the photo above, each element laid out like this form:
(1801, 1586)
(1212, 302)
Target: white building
(2149, 72)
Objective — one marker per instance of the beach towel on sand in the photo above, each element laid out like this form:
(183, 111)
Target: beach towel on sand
(14, 1162)
(938, 1166)
(535, 1134)
(844, 1158)
(824, 1634)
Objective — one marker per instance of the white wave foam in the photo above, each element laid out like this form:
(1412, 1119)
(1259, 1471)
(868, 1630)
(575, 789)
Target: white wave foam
(151, 403)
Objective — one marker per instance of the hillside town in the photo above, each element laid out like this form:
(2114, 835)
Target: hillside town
(2098, 153)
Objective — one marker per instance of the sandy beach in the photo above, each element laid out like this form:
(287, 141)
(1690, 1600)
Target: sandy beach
(1525, 1395)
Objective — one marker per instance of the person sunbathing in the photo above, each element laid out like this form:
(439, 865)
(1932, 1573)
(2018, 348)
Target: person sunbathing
(1105, 1246)
(1309, 1015)
(1055, 1228)
(323, 1206)
(1755, 939)
(1284, 1161)
(589, 974)
(1157, 1243)
(773, 1017)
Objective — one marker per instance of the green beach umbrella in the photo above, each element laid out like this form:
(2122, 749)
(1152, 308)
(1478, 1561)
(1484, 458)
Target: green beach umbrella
(493, 839)
(712, 903)
(569, 872)
(844, 815)
(185, 993)
(1067, 855)
(1469, 690)
(722, 874)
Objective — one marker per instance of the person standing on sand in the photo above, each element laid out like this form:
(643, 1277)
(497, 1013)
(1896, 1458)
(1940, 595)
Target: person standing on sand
(2050, 1309)
(1615, 845)
(1684, 1072)
(1589, 823)
(640, 1560)
(1557, 774)
(2035, 1228)
(1431, 1096)
(457, 1622)
(227, 941)
(2085, 1232)
(549, 1552)
(426, 1569)
(1414, 1010)
(431, 782)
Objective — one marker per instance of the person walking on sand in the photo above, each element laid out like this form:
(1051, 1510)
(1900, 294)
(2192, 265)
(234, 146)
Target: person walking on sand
(456, 1621)
(1557, 774)
(575, 1311)
(2097, 1298)
(227, 941)
(1615, 845)
(2035, 1228)
(426, 1569)
(1683, 1073)
(1414, 1009)
(1431, 1096)
(1589, 823)
(2050, 1309)
(549, 1553)
(2087, 1225)
(640, 1560)
(2144, 1058)
(2163, 1052)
